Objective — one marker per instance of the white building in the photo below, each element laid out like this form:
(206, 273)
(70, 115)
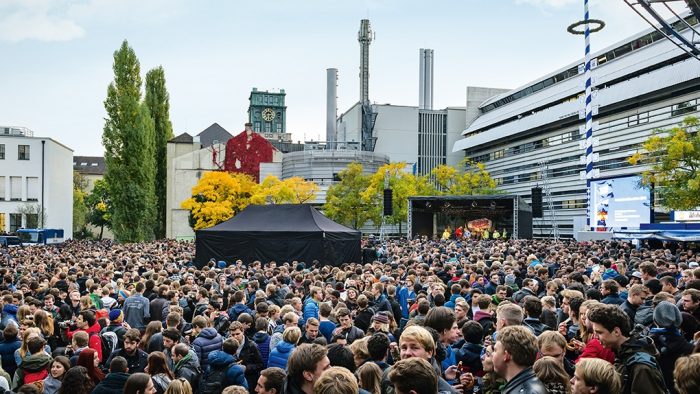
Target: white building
(643, 83)
(36, 174)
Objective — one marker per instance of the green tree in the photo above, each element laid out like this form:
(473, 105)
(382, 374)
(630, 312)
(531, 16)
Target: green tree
(343, 201)
(158, 102)
(99, 207)
(128, 138)
(403, 184)
(673, 156)
(80, 210)
(472, 179)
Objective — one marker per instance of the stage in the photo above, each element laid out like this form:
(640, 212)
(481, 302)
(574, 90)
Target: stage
(430, 215)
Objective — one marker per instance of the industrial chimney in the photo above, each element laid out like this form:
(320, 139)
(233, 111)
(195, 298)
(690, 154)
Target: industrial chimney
(331, 107)
(425, 84)
(364, 36)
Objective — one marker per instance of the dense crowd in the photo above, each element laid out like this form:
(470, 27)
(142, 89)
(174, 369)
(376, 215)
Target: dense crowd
(417, 316)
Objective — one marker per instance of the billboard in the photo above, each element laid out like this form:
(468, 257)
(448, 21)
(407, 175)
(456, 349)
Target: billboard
(619, 202)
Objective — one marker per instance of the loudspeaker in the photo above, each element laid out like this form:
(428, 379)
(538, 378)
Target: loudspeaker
(388, 211)
(536, 202)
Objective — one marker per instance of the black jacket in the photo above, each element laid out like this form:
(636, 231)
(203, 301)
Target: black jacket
(189, 370)
(113, 383)
(525, 382)
(251, 358)
(136, 362)
(535, 325)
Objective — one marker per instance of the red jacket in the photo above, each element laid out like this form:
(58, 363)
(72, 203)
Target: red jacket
(594, 349)
(94, 342)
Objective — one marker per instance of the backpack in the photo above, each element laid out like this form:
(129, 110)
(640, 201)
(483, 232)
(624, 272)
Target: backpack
(643, 319)
(213, 383)
(108, 340)
(641, 358)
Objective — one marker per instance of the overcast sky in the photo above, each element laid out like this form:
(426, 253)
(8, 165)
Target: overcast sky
(56, 60)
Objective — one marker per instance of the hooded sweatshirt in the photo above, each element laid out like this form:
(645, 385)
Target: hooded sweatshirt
(32, 364)
(262, 340)
(280, 354)
(234, 373)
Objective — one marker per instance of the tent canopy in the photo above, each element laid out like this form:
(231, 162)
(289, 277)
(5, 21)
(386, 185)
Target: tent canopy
(283, 232)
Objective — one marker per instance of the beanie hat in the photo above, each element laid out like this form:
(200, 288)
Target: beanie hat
(384, 319)
(221, 264)
(115, 315)
(667, 315)
(124, 294)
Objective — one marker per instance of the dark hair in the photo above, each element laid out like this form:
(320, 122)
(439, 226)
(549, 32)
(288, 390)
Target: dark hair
(611, 316)
(473, 332)
(35, 344)
(172, 334)
(10, 332)
(118, 364)
(440, 318)
(137, 383)
(29, 388)
(133, 335)
(378, 346)
(157, 364)
(341, 356)
(274, 379)
(77, 381)
(532, 306)
(63, 360)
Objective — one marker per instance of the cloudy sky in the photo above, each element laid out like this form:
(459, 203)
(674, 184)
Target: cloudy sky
(56, 60)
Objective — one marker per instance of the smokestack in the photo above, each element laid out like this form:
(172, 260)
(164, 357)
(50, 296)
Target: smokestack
(425, 77)
(331, 106)
(364, 36)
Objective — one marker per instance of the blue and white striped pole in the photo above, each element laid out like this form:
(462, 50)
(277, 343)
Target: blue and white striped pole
(589, 90)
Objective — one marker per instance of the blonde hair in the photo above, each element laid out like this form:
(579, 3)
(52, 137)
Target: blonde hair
(22, 313)
(369, 376)
(551, 338)
(25, 339)
(336, 380)
(86, 303)
(601, 374)
(291, 335)
(179, 386)
(420, 335)
(359, 348)
(234, 390)
(550, 370)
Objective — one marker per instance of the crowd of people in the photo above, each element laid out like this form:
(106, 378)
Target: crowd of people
(418, 316)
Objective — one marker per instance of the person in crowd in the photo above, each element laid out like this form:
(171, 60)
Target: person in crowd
(271, 381)
(185, 366)
(369, 377)
(77, 381)
(59, 366)
(305, 367)
(686, 375)
(206, 340)
(635, 356)
(88, 358)
(136, 358)
(552, 374)
(36, 366)
(594, 375)
(280, 354)
(159, 371)
(336, 380)
(413, 376)
(116, 378)
(137, 308)
(139, 383)
(668, 340)
(514, 353)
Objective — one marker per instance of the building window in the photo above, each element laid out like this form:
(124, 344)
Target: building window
(2, 151)
(15, 222)
(2, 193)
(23, 152)
(32, 189)
(32, 220)
(279, 127)
(268, 127)
(257, 127)
(15, 188)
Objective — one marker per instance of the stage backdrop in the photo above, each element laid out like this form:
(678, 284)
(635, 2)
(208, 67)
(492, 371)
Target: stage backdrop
(283, 232)
(429, 215)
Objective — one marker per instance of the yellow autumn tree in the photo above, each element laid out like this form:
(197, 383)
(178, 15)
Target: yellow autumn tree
(218, 197)
(221, 195)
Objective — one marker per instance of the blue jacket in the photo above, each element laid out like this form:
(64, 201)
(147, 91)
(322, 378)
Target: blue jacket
(403, 295)
(310, 310)
(7, 352)
(206, 342)
(262, 339)
(137, 311)
(237, 310)
(9, 313)
(280, 354)
(451, 303)
(235, 374)
(470, 357)
(326, 329)
(613, 299)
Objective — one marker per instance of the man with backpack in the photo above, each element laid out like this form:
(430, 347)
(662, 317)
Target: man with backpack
(35, 368)
(635, 356)
(185, 365)
(224, 370)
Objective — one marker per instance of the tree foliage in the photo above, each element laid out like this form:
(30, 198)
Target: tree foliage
(99, 207)
(472, 179)
(344, 203)
(673, 157)
(128, 138)
(220, 195)
(158, 102)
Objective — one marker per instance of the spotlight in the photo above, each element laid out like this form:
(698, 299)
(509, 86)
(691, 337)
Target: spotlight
(473, 204)
(428, 204)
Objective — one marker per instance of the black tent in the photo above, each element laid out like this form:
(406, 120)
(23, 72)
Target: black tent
(284, 232)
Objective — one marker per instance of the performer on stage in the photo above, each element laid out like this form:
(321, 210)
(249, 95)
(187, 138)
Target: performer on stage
(459, 232)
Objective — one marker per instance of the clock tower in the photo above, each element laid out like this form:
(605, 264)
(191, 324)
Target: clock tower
(268, 114)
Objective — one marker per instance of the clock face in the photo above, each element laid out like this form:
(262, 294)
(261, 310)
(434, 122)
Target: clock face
(268, 115)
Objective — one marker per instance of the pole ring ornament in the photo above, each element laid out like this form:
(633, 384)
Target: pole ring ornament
(599, 25)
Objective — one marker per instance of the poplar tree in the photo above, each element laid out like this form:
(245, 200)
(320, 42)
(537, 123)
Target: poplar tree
(128, 138)
(158, 102)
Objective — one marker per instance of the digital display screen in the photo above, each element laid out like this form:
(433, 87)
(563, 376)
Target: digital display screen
(619, 202)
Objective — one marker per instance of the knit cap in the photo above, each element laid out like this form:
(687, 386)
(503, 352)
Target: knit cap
(667, 315)
(115, 315)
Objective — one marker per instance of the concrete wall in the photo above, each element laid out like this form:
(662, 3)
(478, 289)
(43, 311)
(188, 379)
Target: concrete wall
(57, 182)
(475, 97)
(456, 119)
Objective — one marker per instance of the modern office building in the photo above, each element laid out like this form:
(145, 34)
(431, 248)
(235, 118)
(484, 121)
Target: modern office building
(36, 182)
(642, 84)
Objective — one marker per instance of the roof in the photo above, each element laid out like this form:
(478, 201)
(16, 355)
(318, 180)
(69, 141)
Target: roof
(279, 218)
(89, 165)
(183, 138)
(213, 133)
